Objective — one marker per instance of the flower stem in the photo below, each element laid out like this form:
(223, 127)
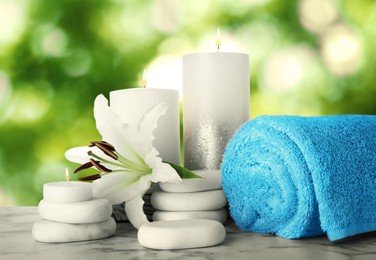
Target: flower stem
(133, 165)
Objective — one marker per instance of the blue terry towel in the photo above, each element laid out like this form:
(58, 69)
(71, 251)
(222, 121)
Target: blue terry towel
(303, 176)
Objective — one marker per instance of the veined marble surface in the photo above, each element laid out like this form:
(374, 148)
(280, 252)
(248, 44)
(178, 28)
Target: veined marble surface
(16, 242)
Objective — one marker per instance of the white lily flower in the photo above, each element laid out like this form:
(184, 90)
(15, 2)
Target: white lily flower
(127, 159)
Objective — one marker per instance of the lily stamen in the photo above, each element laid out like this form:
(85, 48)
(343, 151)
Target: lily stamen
(90, 153)
(106, 148)
(83, 167)
(90, 178)
(99, 166)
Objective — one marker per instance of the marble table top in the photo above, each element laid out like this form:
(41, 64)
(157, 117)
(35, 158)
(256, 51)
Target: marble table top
(16, 242)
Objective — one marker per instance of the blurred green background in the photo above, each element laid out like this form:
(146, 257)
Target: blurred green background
(308, 57)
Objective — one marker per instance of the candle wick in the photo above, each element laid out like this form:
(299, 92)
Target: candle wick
(67, 176)
(144, 78)
(218, 43)
(218, 40)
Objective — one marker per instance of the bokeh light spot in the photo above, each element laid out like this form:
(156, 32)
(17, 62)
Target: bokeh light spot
(316, 15)
(29, 104)
(175, 46)
(54, 43)
(5, 199)
(341, 50)
(13, 17)
(134, 22)
(50, 41)
(78, 63)
(288, 69)
(263, 38)
(165, 72)
(165, 15)
(5, 89)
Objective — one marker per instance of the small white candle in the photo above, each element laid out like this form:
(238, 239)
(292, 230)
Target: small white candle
(131, 105)
(216, 97)
(68, 191)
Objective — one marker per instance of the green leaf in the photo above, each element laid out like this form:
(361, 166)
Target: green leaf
(184, 173)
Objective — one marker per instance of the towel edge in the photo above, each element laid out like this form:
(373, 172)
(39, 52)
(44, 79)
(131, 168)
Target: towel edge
(352, 230)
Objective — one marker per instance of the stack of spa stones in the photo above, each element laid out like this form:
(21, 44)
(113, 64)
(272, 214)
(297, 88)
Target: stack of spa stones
(78, 220)
(198, 198)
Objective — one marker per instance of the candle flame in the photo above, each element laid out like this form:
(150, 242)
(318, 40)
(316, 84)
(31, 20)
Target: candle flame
(144, 81)
(66, 175)
(218, 41)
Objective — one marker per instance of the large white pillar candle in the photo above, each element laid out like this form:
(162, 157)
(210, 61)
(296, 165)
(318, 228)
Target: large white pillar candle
(216, 102)
(131, 105)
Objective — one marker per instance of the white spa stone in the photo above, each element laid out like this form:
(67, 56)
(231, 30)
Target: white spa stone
(194, 201)
(179, 234)
(56, 232)
(219, 215)
(84, 212)
(211, 180)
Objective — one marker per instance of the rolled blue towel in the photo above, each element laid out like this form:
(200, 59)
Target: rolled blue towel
(303, 176)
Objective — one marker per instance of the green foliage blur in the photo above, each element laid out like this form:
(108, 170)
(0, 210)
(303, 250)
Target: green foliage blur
(57, 56)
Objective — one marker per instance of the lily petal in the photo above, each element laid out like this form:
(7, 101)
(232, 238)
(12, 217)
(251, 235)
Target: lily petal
(164, 172)
(149, 121)
(79, 154)
(113, 130)
(117, 187)
(135, 212)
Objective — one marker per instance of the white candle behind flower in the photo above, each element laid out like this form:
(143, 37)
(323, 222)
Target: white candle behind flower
(67, 191)
(216, 102)
(131, 105)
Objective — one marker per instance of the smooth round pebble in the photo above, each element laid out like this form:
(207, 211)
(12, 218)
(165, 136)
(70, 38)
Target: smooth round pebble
(180, 234)
(91, 211)
(56, 232)
(219, 215)
(211, 180)
(204, 200)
